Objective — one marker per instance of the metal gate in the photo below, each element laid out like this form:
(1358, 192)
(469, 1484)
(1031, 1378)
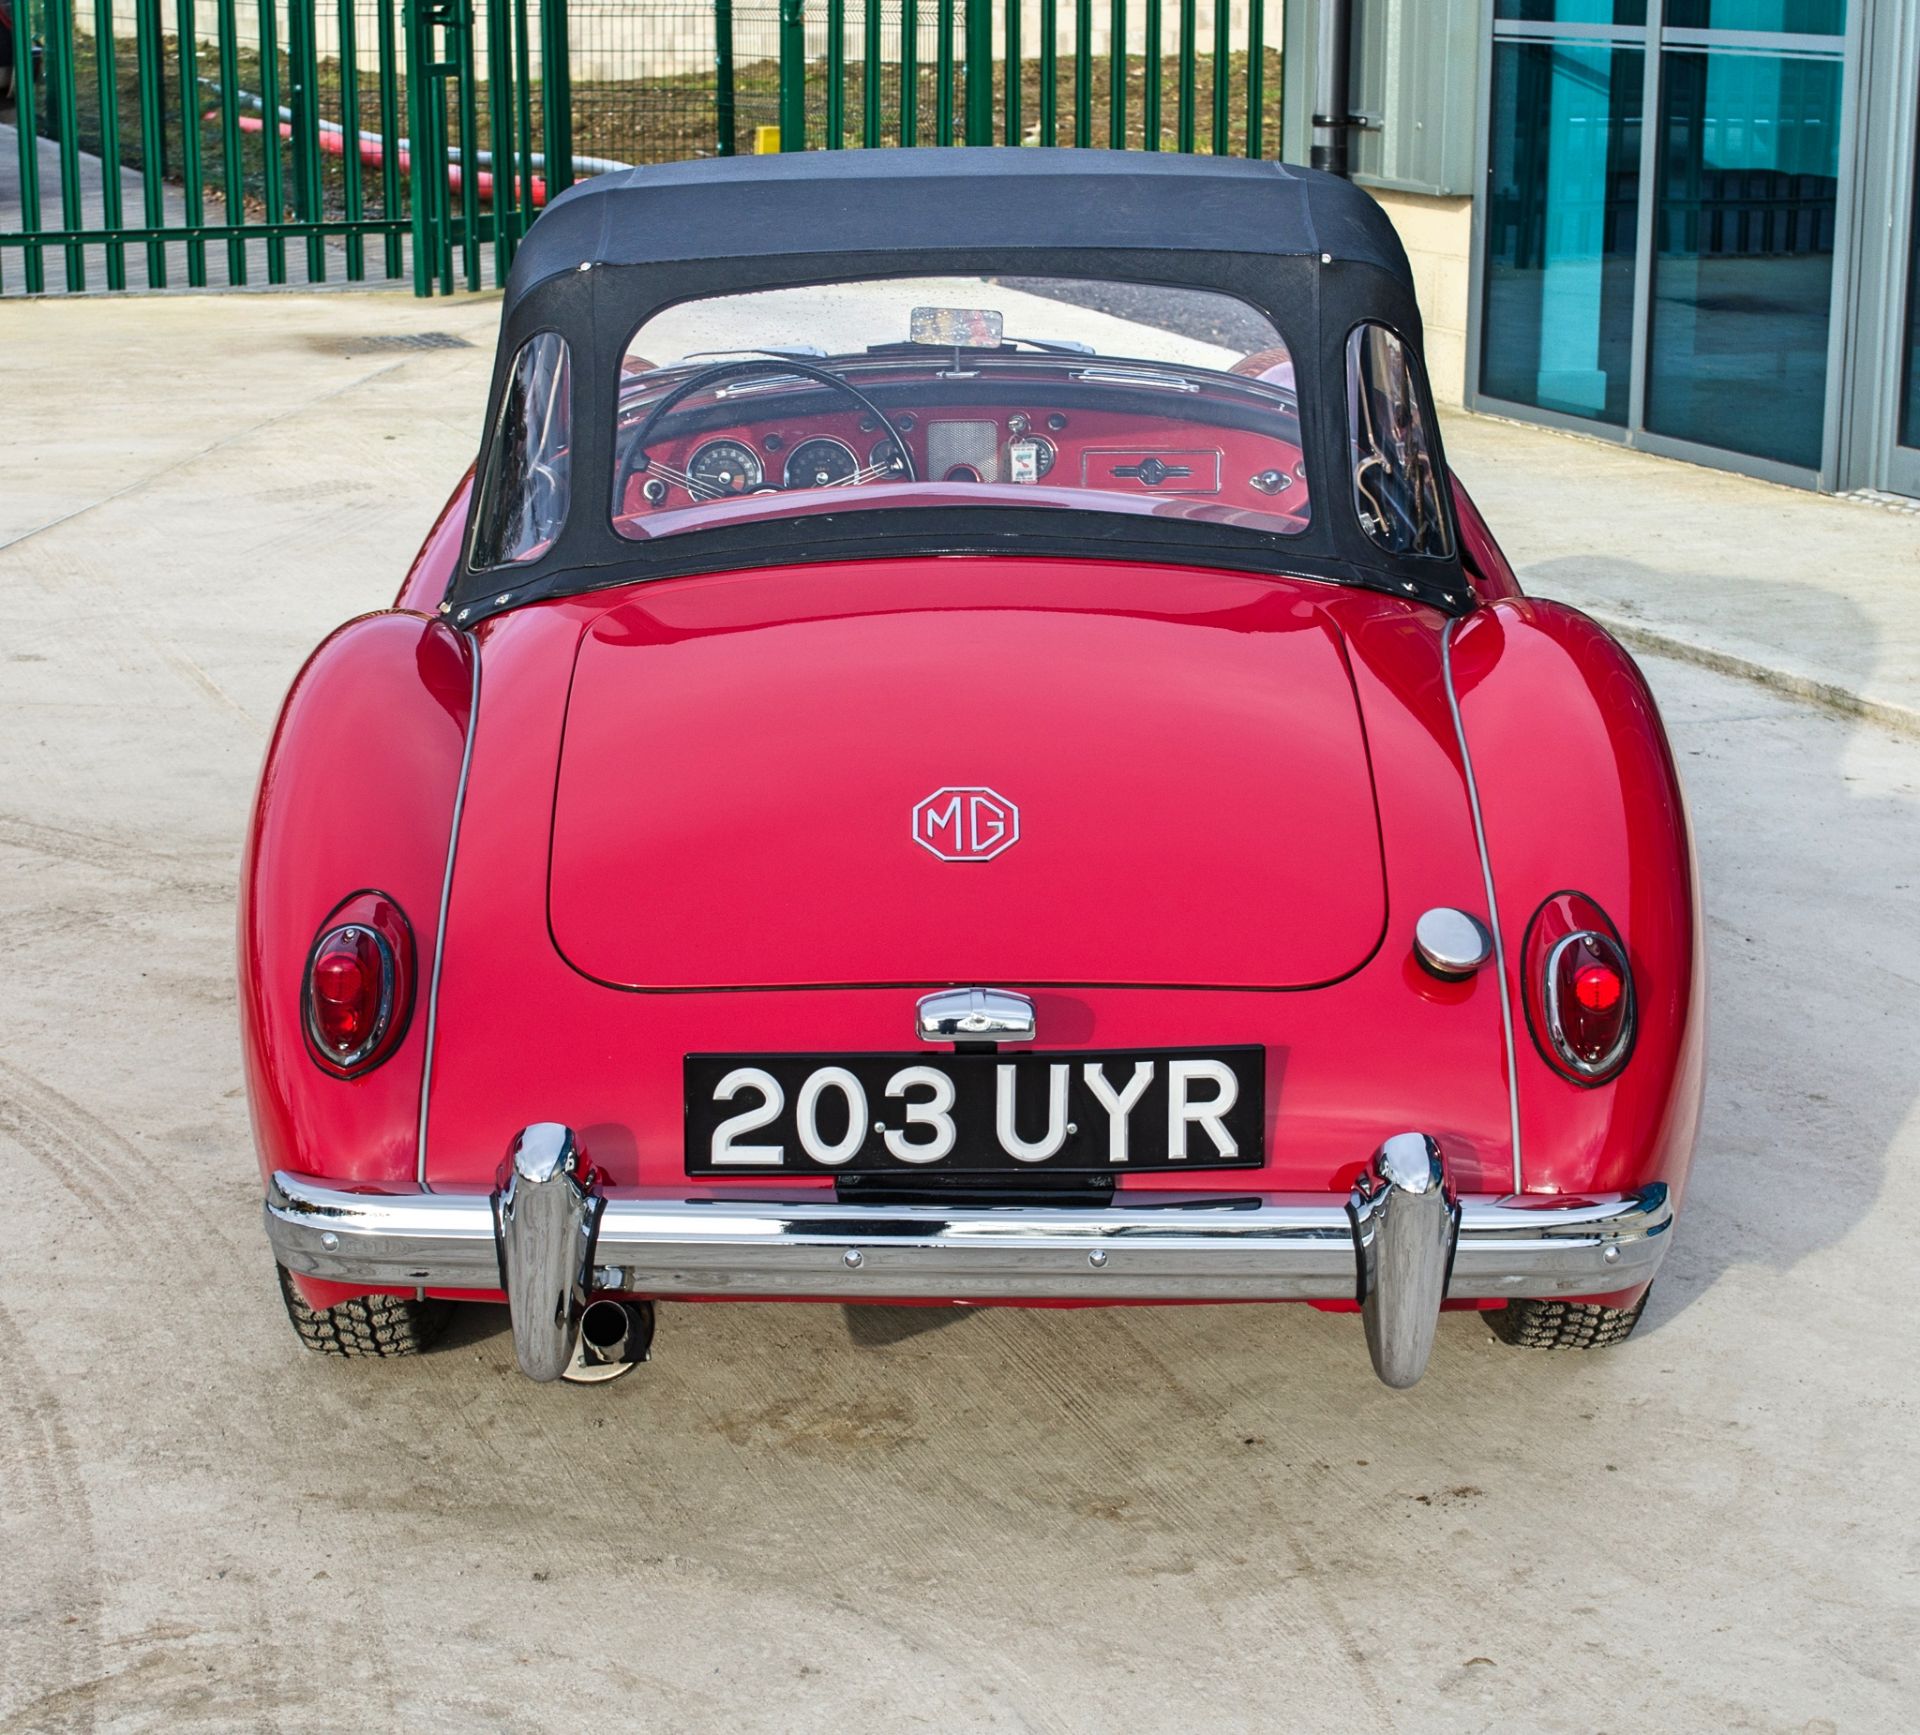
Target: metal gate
(233, 142)
(207, 143)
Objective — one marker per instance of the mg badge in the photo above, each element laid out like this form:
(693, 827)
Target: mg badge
(973, 824)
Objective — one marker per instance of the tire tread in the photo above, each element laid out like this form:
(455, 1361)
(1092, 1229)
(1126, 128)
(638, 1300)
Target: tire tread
(1546, 1324)
(368, 1325)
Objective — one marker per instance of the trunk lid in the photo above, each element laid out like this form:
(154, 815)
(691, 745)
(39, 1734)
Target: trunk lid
(965, 771)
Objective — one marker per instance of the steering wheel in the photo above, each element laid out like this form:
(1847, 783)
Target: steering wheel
(639, 461)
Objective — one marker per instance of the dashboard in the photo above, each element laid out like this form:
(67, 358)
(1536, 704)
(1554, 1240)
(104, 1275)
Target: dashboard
(1113, 434)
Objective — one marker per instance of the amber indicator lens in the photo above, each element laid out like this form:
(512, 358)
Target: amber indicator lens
(348, 986)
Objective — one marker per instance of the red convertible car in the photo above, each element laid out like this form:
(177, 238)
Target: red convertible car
(962, 745)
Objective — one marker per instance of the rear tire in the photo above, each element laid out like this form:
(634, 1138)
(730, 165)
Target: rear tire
(1538, 1324)
(381, 1325)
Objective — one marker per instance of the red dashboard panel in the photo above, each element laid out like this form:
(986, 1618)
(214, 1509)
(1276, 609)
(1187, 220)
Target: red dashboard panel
(1110, 451)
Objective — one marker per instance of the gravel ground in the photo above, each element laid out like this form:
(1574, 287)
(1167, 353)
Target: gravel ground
(1168, 1519)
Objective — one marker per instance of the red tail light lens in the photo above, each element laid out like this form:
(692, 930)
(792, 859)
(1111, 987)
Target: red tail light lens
(1579, 989)
(351, 984)
(359, 983)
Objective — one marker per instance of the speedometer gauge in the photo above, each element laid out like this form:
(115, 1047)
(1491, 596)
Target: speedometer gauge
(819, 463)
(725, 467)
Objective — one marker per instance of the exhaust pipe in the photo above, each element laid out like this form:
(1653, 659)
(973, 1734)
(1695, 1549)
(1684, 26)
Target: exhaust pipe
(614, 1335)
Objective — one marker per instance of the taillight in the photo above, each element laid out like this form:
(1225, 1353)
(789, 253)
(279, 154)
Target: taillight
(1578, 989)
(359, 986)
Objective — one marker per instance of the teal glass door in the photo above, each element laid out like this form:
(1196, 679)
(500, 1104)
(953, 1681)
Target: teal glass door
(1672, 280)
(1909, 415)
(1748, 200)
(1563, 203)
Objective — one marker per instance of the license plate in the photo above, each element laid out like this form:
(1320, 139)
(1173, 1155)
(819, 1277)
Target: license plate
(1090, 1112)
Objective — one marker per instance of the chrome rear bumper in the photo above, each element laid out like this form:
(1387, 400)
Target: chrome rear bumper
(1401, 1244)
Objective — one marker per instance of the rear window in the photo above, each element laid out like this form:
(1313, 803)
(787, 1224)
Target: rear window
(932, 391)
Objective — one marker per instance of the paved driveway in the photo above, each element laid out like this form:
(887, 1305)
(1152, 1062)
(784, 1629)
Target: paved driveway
(1177, 1519)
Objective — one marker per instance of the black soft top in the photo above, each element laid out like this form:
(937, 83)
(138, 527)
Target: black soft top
(918, 207)
(1313, 253)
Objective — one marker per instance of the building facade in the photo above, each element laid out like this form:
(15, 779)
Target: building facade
(1692, 226)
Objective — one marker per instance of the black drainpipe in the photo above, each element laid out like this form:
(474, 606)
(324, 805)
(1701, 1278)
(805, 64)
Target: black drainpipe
(1331, 122)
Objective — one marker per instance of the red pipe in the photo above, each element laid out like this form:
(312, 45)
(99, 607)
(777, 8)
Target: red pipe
(373, 154)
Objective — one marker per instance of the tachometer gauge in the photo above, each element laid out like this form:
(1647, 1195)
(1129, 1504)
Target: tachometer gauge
(725, 467)
(819, 463)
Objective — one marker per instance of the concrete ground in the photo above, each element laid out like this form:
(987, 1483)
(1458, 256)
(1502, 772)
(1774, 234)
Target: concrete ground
(1170, 1519)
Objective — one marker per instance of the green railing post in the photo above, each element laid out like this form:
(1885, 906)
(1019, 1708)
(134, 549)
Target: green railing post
(153, 187)
(1011, 129)
(1189, 95)
(232, 166)
(1222, 45)
(870, 75)
(909, 72)
(192, 192)
(1049, 72)
(303, 100)
(354, 196)
(1083, 73)
(523, 206)
(1256, 77)
(556, 97)
(391, 195)
(836, 73)
(724, 123)
(60, 94)
(418, 24)
(943, 77)
(27, 139)
(1154, 77)
(1117, 79)
(500, 119)
(112, 214)
(271, 190)
(979, 72)
(466, 114)
(793, 75)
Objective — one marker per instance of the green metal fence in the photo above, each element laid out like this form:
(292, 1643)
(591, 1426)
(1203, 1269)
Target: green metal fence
(199, 143)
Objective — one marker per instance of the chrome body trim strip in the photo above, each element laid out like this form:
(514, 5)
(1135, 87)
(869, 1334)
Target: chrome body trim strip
(1493, 905)
(1144, 1246)
(440, 927)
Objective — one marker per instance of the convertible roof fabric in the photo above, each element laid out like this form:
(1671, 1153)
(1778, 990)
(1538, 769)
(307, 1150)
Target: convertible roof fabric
(905, 202)
(1313, 253)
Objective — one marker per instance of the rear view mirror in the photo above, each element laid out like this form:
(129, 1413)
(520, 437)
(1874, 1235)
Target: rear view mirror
(957, 327)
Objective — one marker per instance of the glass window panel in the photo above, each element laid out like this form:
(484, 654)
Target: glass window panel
(1743, 269)
(523, 495)
(1573, 11)
(1396, 486)
(1557, 326)
(1775, 17)
(1910, 414)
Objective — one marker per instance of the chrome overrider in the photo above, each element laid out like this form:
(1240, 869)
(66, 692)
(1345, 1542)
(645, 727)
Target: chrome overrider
(545, 1216)
(1400, 1244)
(1406, 1224)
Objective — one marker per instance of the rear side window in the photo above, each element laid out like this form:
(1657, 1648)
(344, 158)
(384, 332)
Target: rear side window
(1396, 484)
(523, 495)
